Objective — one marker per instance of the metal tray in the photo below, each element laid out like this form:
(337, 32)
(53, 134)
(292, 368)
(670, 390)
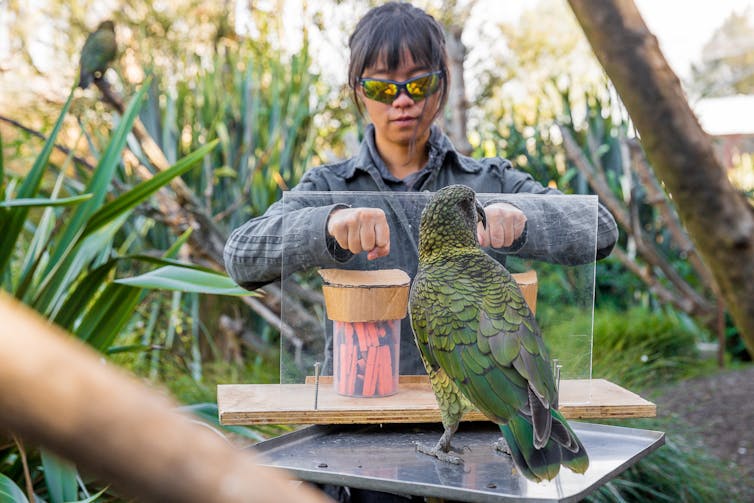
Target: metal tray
(383, 458)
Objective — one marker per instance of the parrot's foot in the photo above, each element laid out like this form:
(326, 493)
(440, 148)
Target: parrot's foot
(502, 446)
(438, 453)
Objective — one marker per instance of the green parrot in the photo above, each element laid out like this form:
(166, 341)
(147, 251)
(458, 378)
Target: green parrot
(481, 345)
(98, 52)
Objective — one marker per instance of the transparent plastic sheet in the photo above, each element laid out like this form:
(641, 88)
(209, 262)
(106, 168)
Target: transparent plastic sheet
(565, 297)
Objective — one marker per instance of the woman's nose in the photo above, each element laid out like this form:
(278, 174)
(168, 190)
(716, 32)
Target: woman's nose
(403, 100)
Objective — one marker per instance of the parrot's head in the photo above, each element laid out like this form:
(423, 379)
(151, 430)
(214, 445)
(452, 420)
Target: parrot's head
(106, 25)
(449, 221)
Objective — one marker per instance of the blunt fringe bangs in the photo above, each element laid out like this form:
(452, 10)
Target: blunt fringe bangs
(386, 32)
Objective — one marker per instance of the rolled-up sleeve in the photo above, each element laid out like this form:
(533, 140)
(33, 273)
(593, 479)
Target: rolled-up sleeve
(290, 236)
(560, 228)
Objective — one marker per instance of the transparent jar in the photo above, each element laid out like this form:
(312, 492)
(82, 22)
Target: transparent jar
(366, 309)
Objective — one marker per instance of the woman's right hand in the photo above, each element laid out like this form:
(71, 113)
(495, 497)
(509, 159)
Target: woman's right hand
(360, 229)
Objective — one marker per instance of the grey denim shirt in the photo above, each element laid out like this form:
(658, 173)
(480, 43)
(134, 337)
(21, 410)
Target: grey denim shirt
(254, 253)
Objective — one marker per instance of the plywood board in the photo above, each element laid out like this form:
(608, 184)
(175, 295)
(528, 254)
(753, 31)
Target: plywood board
(247, 404)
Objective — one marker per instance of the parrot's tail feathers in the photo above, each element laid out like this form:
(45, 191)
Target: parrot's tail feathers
(575, 457)
(563, 448)
(535, 464)
(517, 455)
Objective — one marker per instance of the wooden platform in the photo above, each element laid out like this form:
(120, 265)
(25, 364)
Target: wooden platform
(246, 404)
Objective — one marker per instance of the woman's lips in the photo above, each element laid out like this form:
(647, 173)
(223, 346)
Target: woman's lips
(405, 121)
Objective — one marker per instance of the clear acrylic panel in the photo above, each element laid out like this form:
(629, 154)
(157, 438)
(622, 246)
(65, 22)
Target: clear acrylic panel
(560, 247)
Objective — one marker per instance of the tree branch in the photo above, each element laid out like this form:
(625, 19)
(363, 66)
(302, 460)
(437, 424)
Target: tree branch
(659, 199)
(699, 306)
(33, 132)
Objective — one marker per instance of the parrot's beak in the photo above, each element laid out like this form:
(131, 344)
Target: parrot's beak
(482, 215)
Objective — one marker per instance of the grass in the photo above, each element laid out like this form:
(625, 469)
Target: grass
(642, 350)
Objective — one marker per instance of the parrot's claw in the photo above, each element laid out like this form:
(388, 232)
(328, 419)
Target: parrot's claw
(502, 446)
(438, 453)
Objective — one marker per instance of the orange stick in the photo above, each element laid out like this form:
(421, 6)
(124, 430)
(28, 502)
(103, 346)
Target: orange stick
(372, 334)
(349, 333)
(342, 369)
(370, 375)
(352, 371)
(361, 334)
(385, 384)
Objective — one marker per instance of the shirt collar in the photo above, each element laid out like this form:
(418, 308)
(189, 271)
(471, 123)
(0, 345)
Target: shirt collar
(440, 147)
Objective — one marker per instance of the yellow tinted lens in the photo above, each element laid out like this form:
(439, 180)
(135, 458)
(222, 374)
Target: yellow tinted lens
(423, 86)
(379, 91)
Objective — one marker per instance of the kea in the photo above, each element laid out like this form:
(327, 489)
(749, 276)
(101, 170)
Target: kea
(481, 345)
(98, 52)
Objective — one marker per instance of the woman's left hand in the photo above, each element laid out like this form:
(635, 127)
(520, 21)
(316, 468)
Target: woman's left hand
(505, 223)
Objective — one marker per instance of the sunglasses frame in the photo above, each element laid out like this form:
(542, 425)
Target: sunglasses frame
(402, 86)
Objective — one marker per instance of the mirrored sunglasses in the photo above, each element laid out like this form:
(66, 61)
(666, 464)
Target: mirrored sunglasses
(386, 91)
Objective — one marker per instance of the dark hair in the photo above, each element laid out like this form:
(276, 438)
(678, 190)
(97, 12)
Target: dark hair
(386, 32)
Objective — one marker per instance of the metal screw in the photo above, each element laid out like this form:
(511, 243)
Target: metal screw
(316, 383)
(556, 366)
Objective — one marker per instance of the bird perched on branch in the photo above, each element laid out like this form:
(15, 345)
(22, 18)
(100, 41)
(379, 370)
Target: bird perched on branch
(481, 345)
(98, 52)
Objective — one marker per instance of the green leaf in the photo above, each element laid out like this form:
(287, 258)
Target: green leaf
(82, 296)
(13, 225)
(131, 348)
(10, 492)
(2, 166)
(93, 497)
(27, 202)
(108, 315)
(145, 189)
(209, 413)
(100, 182)
(173, 250)
(64, 272)
(60, 476)
(185, 279)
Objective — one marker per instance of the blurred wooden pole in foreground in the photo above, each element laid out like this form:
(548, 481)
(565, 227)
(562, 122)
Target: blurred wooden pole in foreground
(60, 394)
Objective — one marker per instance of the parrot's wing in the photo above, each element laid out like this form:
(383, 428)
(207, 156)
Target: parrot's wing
(490, 345)
(452, 403)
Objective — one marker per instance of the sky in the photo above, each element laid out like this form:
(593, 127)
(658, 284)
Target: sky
(683, 27)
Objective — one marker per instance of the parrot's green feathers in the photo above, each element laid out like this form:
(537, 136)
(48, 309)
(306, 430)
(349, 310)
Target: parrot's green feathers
(100, 49)
(480, 342)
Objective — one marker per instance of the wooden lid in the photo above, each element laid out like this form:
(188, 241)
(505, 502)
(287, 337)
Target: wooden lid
(368, 279)
(365, 295)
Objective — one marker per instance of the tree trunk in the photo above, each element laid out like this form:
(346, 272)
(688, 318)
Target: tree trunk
(719, 219)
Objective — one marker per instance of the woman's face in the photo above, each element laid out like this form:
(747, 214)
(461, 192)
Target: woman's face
(396, 123)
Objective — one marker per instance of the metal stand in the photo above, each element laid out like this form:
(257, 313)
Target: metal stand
(383, 458)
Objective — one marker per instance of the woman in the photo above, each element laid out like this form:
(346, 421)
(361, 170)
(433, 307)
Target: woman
(399, 76)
